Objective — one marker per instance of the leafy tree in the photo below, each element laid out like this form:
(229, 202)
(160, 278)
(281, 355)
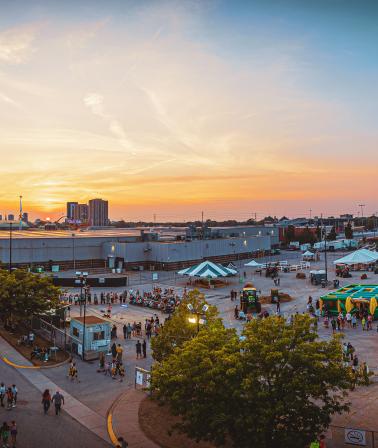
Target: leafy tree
(371, 223)
(196, 381)
(178, 329)
(318, 232)
(23, 294)
(348, 231)
(332, 234)
(307, 236)
(290, 234)
(277, 388)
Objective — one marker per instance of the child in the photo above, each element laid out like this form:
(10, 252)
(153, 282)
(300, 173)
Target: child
(114, 371)
(121, 371)
(10, 399)
(107, 368)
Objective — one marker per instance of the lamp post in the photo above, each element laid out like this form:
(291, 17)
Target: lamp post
(73, 251)
(10, 245)
(197, 314)
(81, 277)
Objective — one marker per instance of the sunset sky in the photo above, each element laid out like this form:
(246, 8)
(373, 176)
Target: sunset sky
(174, 107)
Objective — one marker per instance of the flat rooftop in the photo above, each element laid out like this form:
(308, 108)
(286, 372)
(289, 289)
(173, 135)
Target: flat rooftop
(90, 320)
(40, 233)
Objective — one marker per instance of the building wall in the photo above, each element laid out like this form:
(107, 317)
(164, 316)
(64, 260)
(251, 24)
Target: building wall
(93, 251)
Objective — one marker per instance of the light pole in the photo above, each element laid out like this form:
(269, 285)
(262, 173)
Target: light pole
(197, 315)
(73, 251)
(81, 277)
(10, 245)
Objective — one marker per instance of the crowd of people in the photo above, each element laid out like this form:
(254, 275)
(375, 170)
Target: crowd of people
(164, 300)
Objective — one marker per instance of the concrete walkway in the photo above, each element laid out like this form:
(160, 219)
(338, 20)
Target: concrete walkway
(75, 408)
(125, 420)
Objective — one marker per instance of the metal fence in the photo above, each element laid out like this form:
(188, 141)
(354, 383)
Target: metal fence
(57, 337)
(341, 436)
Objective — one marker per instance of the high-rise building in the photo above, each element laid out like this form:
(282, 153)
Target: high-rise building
(10, 217)
(25, 217)
(80, 213)
(98, 212)
(70, 209)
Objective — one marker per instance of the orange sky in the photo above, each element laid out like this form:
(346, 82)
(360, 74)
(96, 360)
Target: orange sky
(165, 110)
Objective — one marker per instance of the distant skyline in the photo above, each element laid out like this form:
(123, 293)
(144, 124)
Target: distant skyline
(174, 107)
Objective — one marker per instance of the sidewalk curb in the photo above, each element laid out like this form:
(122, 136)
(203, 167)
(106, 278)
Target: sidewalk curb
(109, 419)
(18, 366)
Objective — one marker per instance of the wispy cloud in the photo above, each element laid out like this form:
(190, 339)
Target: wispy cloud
(16, 44)
(95, 102)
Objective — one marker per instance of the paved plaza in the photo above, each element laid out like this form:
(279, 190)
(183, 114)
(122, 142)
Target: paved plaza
(87, 402)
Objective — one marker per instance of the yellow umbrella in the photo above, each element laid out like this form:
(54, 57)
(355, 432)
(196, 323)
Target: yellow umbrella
(348, 304)
(338, 306)
(373, 305)
(321, 305)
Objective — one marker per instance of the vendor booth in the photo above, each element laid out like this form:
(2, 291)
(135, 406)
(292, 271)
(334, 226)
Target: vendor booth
(308, 256)
(351, 299)
(92, 332)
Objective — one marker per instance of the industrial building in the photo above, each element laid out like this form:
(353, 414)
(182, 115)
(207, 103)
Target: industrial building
(157, 248)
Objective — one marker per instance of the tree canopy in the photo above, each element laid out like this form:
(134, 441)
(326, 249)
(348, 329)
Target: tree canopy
(178, 329)
(278, 386)
(23, 294)
(348, 231)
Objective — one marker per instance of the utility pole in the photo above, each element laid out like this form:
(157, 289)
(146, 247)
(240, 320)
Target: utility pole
(362, 217)
(202, 225)
(10, 245)
(325, 251)
(154, 219)
(310, 214)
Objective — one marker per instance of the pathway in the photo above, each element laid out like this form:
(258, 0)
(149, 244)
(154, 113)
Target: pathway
(75, 408)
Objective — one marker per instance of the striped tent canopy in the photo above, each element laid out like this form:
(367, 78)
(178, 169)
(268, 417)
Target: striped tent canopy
(208, 269)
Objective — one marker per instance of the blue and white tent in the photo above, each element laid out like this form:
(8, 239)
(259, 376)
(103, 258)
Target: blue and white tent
(208, 269)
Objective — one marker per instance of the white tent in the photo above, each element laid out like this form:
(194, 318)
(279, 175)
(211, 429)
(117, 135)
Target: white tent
(253, 264)
(208, 269)
(308, 255)
(361, 256)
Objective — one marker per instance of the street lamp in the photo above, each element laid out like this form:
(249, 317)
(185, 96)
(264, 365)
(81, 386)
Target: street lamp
(10, 245)
(198, 315)
(81, 278)
(73, 251)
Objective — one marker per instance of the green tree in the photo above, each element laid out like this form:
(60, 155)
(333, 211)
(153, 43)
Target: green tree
(195, 381)
(290, 234)
(307, 236)
(23, 294)
(318, 232)
(332, 234)
(348, 231)
(277, 388)
(178, 329)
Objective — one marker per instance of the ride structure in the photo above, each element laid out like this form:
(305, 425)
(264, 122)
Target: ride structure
(351, 299)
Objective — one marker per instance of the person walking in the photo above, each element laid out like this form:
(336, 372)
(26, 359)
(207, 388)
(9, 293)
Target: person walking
(119, 351)
(46, 401)
(124, 328)
(3, 391)
(13, 433)
(15, 392)
(114, 350)
(138, 347)
(4, 431)
(144, 348)
(9, 399)
(58, 400)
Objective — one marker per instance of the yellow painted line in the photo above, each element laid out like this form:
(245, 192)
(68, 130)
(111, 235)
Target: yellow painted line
(112, 436)
(17, 366)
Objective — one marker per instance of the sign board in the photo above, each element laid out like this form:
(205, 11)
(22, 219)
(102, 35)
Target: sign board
(139, 378)
(55, 268)
(79, 349)
(155, 276)
(101, 280)
(355, 437)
